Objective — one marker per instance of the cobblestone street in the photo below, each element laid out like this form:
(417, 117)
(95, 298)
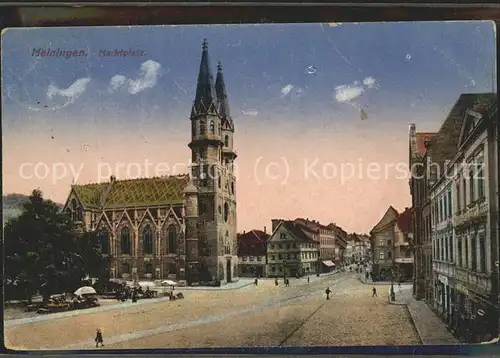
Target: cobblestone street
(265, 315)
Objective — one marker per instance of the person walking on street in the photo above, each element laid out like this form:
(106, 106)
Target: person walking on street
(399, 286)
(307, 279)
(374, 290)
(98, 338)
(328, 291)
(256, 282)
(276, 282)
(287, 283)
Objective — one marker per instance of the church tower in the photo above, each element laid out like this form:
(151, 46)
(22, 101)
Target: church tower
(212, 169)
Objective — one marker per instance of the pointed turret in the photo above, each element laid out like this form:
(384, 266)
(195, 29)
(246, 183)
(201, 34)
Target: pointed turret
(220, 91)
(205, 101)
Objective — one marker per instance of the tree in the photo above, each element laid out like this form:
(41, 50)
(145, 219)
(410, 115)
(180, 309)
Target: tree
(43, 250)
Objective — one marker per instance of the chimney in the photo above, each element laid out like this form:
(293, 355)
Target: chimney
(265, 231)
(244, 232)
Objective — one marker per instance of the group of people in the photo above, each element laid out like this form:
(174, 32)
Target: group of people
(132, 293)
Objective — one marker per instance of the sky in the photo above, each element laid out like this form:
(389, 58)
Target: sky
(321, 111)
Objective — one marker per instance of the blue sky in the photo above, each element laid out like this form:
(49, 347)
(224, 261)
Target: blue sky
(413, 64)
(295, 92)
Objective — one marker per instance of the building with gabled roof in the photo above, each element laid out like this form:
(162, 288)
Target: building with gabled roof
(178, 227)
(292, 250)
(382, 241)
(252, 253)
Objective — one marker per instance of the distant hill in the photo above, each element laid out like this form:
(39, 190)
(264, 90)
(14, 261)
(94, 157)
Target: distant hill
(13, 206)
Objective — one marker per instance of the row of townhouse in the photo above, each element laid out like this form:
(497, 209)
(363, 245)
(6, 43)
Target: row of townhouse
(392, 254)
(455, 198)
(293, 248)
(358, 249)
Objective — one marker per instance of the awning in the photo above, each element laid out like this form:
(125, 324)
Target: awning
(328, 263)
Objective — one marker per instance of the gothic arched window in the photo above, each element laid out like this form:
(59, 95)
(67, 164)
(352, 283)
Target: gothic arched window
(172, 240)
(212, 127)
(226, 212)
(125, 247)
(226, 141)
(202, 127)
(73, 210)
(104, 241)
(79, 214)
(147, 240)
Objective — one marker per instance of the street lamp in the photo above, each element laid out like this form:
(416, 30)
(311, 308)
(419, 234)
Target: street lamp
(393, 294)
(284, 271)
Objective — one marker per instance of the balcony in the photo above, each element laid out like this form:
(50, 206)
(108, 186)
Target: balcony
(477, 211)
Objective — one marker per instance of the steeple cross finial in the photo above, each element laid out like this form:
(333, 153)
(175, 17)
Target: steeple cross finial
(205, 44)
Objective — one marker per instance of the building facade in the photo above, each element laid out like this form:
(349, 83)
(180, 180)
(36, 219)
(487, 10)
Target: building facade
(403, 253)
(382, 239)
(459, 174)
(178, 227)
(443, 254)
(421, 213)
(252, 253)
(292, 250)
(475, 222)
(328, 240)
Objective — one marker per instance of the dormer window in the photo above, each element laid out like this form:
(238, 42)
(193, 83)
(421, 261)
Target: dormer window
(212, 127)
(202, 128)
(226, 141)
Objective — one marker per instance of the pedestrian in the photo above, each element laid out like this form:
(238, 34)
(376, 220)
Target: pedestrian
(374, 290)
(307, 279)
(287, 282)
(399, 286)
(255, 282)
(98, 338)
(328, 291)
(276, 282)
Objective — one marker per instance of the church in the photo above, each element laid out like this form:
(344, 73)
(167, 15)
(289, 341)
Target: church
(179, 227)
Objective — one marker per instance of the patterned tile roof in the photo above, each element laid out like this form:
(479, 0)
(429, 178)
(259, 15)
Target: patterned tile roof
(133, 193)
(90, 195)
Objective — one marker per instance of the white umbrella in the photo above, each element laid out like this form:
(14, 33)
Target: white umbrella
(169, 283)
(85, 290)
(147, 284)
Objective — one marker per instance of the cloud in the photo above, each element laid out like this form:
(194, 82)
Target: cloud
(286, 90)
(116, 82)
(346, 93)
(71, 93)
(146, 79)
(369, 82)
(250, 112)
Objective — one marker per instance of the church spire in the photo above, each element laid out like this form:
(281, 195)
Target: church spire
(220, 89)
(205, 100)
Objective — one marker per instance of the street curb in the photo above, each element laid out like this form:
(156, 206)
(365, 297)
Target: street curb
(414, 325)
